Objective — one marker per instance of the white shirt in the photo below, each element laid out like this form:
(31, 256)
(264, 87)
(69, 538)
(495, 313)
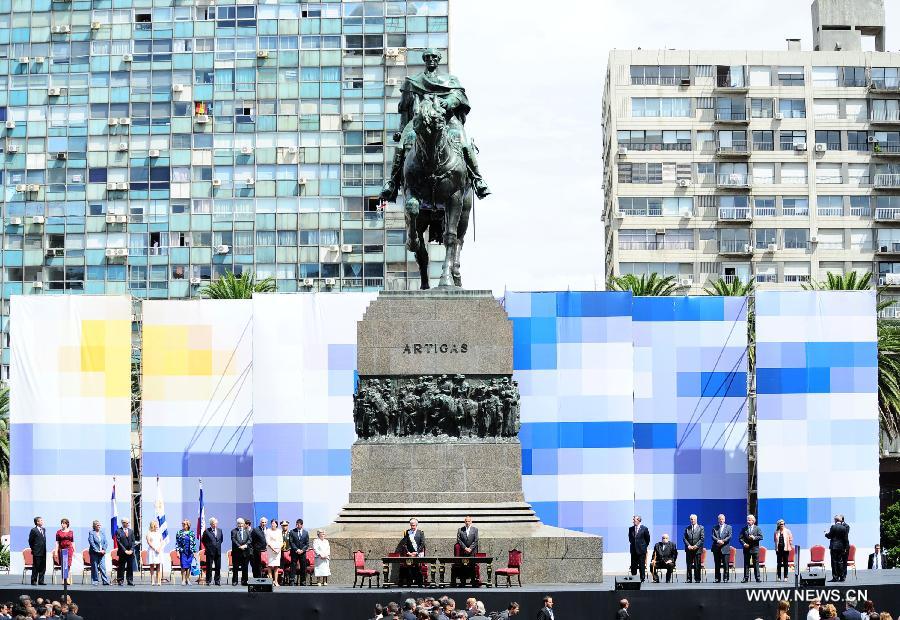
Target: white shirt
(876, 561)
(813, 614)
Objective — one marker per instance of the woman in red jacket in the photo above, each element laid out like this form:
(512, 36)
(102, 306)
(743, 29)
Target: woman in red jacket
(65, 539)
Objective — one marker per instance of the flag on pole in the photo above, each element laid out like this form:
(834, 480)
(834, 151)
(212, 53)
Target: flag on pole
(161, 514)
(114, 521)
(201, 518)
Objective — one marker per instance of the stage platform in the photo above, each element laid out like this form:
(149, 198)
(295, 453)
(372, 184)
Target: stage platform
(680, 601)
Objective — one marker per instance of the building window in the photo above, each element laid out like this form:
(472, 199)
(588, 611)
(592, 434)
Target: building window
(795, 206)
(763, 140)
(886, 77)
(828, 174)
(830, 206)
(790, 139)
(792, 108)
(655, 140)
(761, 108)
(663, 75)
(763, 238)
(764, 206)
(730, 76)
(853, 77)
(661, 107)
(790, 76)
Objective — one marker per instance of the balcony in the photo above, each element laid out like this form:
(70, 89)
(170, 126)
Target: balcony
(730, 278)
(885, 85)
(885, 117)
(764, 211)
(887, 181)
(766, 278)
(891, 312)
(889, 280)
(734, 180)
(763, 146)
(887, 247)
(796, 277)
(732, 117)
(887, 214)
(861, 211)
(733, 247)
(733, 84)
(735, 149)
(648, 212)
(656, 245)
(734, 214)
(886, 150)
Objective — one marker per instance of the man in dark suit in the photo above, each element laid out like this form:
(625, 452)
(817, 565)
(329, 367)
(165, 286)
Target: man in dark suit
(721, 548)
(409, 609)
(37, 542)
(240, 552)
(467, 539)
(412, 545)
(693, 547)
(299, 542)
(622, 613)
(839, 535)
(125, 542)
(664, 556)
(546, 612)
(257, 546)
(851, 613)
(638, 541)
(750, 537)
(212, 542)
(877, 560)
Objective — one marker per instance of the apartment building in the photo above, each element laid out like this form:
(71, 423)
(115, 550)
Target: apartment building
(771, 166)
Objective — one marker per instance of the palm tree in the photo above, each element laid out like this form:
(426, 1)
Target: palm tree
(842, 282)
(230, 286)
(644, 286)
(4, 435)
(724, 288)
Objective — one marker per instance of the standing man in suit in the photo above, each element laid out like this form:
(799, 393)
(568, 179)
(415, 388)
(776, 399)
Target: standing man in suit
(467, 539)
(37, 542)
(125, 542)
(240, 552)
(97, 550)
(622, 613)
(638, 541)
(693, 547)
(299, 543)
(839, 535)
(750, 537)
(546, 612)
(257, 546)
(877, 560)
(721, 548)
(413, 545)
(212, 541)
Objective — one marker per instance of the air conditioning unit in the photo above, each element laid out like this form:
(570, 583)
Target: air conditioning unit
(201, 119)
(346, 248)
(61, 29)
(110, 252)
(153, 152)
(125, 120)
(685, 82)
(686, 282)
(15, 221)
(623, 151)
(127, 57)
(20, 187)
(121, 251)
(121, 186)
(330, 281)
(77, 178)
(37, 284)
(772, 247)
(10, 124)
(821, 147)
(37, 219)
(110, 219)
(62, 156)
(262, 53)
(195, 281)
(222, 249)
(54, 252)
(216, 182)
(660, 231)
(334, 248)
(391, 82)
(110, 186)
(250, 181)
(871, 139)
(121, 219)
(112, 122)
(800, 146)
(123, 146)
(892, 278)
(302, 181)
(347, 117)
(246, 150)
(748, 249)
(177, 88)
(12, 148)
(392, 52)
(54, 92)
(778, 116)
(24, 60)
(33, 187)
(293, 150)
(308, 282)
(96, 25)
(39, 60)
(813, 239)
(683, 183)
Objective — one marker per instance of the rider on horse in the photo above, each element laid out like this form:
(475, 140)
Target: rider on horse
(446, 91)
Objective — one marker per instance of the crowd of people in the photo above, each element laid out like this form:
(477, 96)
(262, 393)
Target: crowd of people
(444, 608)
(26, 608)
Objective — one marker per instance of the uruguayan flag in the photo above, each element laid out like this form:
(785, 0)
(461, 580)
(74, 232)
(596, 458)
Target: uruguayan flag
(161, 514)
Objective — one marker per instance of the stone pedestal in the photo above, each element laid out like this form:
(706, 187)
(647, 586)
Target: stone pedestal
(441, 478)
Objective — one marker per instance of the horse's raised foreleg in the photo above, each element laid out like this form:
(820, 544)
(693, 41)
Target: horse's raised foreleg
(452, 213)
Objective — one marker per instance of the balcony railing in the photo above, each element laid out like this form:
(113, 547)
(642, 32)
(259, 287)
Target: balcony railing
(887, 180)
(731, 116)
(738, 147)
(763, 146)
(794, 244)
(656, 146)
(648, 212)
(887, 247)
(730, 278)
(886, 149)
(795, 211)
(764, 211)
(861, 211)
(766, 277)
(891, 83)
(657, 81)
(803, 277)
(829, 179)
(735, 246)
(656, 245)
(830, 211)
(734, 179)
(891, 312)
(887, 213)
(734, 213)
(728, 81)
(794, 180)
(885, 116)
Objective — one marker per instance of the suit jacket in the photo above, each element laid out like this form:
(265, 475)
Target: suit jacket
(126, 543)
(881, 562)
(545, 613)
(97, 541)
(692, 537)
(408, 615)
(299, 540)
(258, 539)
(470, 541)
(851, 614)
(212, 542)
(788, 540)
(622, 614)
(240, 536)
(723, 533)
(420, 542)
(37, 541)
(664, 551)
(639, 542)
(751, 535)
(839, 535)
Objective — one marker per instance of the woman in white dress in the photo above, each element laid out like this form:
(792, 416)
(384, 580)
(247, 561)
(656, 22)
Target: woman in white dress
(154, 552)
(274, 540)
(322, 549)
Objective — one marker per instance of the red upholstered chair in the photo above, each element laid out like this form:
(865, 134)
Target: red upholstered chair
(86, 561)
(851, 559)
(791, 559)
(762, 562)
(731, 559)
(145, 566)
(478, 569)
(703, 570)
(310, 565)
(513, 567)
(56, 566)
(201, 562)
(816, 556)
(361, 572)
(230, 565)
(29, 562)
(174, 564)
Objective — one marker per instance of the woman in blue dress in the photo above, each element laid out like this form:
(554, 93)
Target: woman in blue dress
(185, 543)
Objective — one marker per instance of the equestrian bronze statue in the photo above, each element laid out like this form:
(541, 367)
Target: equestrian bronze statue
(435, 164)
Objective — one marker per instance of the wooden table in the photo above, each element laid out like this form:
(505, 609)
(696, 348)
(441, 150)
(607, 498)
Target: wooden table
(437, 567)
(404, 560)
(448, 561)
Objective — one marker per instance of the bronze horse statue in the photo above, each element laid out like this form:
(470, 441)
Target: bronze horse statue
(438, 190)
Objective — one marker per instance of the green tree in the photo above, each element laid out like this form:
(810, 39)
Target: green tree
(890, 533)
(724, 288)
(230, 286)
(842, 282)
(644, 286)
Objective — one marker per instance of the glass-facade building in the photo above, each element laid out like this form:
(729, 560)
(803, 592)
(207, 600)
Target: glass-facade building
(150, 146)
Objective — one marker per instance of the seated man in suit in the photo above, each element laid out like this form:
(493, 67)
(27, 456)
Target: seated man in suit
(412, 545)
(467, 540)
(664, 556)
(877, 560)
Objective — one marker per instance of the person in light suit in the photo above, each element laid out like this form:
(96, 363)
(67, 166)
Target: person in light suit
(750, 537)
(784, 544)
(412, 545)
(97, 548)
(467, 539)
(721, 548)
